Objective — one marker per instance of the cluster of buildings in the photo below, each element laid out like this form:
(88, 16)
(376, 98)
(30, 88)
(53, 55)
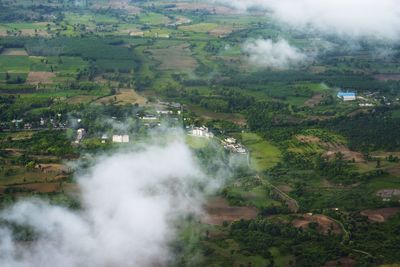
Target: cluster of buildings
(388, 194)
(21, 124)
(232, 145)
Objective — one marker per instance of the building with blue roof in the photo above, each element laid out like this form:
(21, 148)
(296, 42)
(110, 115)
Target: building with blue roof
(347, 96)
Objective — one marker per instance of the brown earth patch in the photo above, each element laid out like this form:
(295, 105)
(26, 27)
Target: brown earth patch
(32, 32)
(324, 223)
(308, 139)
(347, 153)
(315, 100)
(84, 99)
(380, 215)
(53, 168)
(395, 171)
(342, 262)
(333, 148)
(221, 31)
(124, 96)
(36, 77)
(357, 112)
(387, 77)
(285, 188)
(218, 210)
(33, 187)
(14, 52)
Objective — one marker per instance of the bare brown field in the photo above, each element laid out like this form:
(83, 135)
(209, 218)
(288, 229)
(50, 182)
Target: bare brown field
(53, 168)
(32, 32)
(308, 139)
(124, 96)
(395, 171)
(347, 153)
(36, 77)
(324, 223)
(380, 215)
(285, 188)
(174, 58)
(342, 262)
(84, 99)
(333, 148)
(313, 101)
(14, 52)
(218, 210)
(40, 187)
(221, 31)
(387, 77)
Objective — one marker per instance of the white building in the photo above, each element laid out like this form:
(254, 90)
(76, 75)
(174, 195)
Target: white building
(80, 134)
(201, 132)
(120, 138)
(230, 140)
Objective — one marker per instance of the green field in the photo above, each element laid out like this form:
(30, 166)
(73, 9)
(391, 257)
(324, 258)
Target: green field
(16, 64)
(263, 154)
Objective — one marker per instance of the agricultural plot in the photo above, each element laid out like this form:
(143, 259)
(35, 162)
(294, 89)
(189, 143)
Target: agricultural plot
(14, 52)
(177, 58)
(40, 77)
(14, 64)
(153, 18)
(218, 210)
(263, 155)
(124, 96)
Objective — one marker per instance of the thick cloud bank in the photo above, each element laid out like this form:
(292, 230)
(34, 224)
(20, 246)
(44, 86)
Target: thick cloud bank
(130, 201)
(270, 54)
(351, 18)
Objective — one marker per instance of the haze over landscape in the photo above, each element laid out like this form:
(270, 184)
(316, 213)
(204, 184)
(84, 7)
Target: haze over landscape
(199, 133)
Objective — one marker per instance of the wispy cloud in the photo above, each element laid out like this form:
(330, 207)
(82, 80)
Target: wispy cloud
(347, 18)
(270, 54)
(130, 201)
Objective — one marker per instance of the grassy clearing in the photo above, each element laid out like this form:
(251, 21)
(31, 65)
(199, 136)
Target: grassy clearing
(280, 260)
(263, 155)
(200, 27)
(153, 18)
(385, 182)
(124, 96)
(211, 115)
(196, 142)
(178, 58)
(16, 64)
(257, 196)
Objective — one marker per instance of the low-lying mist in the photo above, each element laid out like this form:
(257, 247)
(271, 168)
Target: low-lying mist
(130, 203)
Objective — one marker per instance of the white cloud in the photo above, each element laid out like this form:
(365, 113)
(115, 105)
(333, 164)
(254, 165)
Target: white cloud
(130, 201)
(351, 18)
(270, 54)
